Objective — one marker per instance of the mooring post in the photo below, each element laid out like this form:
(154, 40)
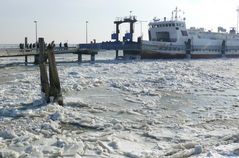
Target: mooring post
(92, 57)
(43, 71)
(26, 45)
(79, 57)
(188, 48)
(117, 54)
(55, 87)
(26, 60)
(117, 39)
(223, 48)
(36, 59)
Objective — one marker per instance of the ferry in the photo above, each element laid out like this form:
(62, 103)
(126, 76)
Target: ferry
(171, 39)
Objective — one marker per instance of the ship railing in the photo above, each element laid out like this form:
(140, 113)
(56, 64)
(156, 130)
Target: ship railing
(111, 46)
(207, 48)
(232, 48)
(172, 48)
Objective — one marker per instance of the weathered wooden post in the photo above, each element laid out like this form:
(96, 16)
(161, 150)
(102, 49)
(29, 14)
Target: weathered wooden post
(36, 59)
(92, 57)
(43, 71)
(25, 50)
(223, 48)
(26, 60)
(55, 87)
(188, 48)
(79, 57)
(26, 45)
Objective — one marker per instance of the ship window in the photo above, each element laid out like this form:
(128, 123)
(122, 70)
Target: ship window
(184, 33)
(163, 36)
(157, 25)
(173, 25)
(169, 25)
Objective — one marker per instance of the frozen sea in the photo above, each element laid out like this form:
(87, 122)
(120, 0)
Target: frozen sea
(123, 108)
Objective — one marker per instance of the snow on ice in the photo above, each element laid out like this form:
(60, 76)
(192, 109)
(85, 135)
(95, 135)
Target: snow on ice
(146, 108)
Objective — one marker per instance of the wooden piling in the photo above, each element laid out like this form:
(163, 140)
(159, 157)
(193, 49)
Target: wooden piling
(26, 43)
(117, 54)
(55, 87)
(36, 59)
(223, 48)
(43, 71)
(92, 57)
(26, 62)
(188, 48)
(79, 57)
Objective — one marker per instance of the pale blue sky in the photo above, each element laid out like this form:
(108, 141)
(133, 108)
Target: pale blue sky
(64, 20)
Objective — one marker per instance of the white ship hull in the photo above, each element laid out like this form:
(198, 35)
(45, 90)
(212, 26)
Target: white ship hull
(167, 50)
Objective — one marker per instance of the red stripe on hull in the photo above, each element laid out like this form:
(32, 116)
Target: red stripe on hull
(205, 56)
(158, 55)
(232, 55)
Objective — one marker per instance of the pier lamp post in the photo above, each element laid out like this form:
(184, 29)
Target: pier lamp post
(237, 18)
(36, 32)
(130, 13)
(86, 31)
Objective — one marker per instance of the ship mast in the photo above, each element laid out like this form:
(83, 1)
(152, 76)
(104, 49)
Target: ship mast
(237, 18)
(176, 13)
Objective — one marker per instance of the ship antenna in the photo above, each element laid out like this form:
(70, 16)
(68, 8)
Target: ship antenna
(237, 18)
(177, 11)
(176, 14)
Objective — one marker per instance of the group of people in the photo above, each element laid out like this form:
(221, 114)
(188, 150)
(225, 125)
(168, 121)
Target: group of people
(34, 45)
(28, 46)
(65, 45)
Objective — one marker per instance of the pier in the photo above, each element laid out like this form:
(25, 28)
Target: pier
(128, 46)
(26, 52)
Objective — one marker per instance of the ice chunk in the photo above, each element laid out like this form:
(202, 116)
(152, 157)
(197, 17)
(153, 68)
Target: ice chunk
(197, 149)
(7, 134)
(56, 116)
(8, 154)
(236, 151)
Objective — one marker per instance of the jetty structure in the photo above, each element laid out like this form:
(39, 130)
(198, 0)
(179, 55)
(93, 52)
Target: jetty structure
(25, 51)
(169, 38)
(131, 49)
